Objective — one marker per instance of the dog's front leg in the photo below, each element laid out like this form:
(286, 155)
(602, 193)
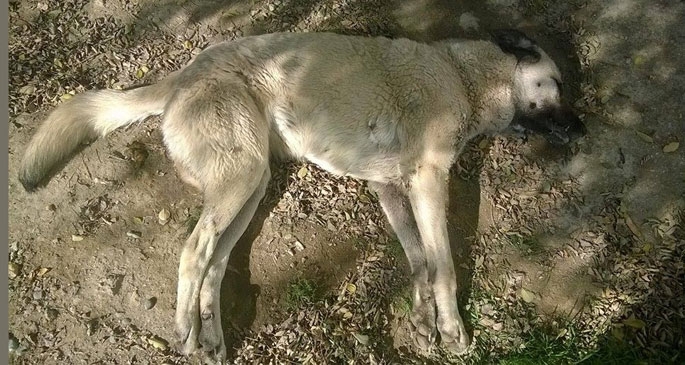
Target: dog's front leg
(397, 208)
(429, 198)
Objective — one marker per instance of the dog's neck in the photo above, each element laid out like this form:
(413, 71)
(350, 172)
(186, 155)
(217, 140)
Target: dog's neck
(488, 75)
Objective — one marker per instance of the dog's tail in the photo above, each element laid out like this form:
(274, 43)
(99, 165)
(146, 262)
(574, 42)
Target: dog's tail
(84, 118)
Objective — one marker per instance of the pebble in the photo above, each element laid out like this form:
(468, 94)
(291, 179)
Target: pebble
(134, 234)
(13, 343)
(52, 314)
(13, 270)
(163, 216)
(299, 246)
(37, 294)
(150, 303)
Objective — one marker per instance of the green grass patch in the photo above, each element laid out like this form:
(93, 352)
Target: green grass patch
(545, 346)
(613, 352)
(402, 302)
(301, 292)
(395, 249)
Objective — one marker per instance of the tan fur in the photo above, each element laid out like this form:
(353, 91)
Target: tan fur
(393, 112)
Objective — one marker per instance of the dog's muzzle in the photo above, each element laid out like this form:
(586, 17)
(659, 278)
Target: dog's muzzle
(565, 128)
(559, 126)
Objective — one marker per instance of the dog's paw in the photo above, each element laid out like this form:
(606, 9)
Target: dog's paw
(187, 316)
(187, 331)
(201, 334)
(453, 336)
(211, 337)
(423, 327)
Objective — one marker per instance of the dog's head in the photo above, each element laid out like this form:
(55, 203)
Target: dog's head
(537, 91)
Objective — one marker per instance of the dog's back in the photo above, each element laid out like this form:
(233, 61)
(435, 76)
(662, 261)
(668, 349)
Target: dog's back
(349, 104)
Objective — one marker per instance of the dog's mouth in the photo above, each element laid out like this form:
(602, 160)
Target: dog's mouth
(559, 126)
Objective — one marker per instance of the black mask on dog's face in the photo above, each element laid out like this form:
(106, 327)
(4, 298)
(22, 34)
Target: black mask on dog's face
(558, 125)
(537, 91)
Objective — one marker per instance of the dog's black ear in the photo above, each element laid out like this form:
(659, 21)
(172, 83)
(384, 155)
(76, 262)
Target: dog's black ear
(517, 43)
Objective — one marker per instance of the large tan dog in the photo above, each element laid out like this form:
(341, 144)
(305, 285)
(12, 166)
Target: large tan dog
(393, 112)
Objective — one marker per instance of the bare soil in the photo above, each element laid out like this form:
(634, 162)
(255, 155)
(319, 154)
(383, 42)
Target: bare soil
(592, 233)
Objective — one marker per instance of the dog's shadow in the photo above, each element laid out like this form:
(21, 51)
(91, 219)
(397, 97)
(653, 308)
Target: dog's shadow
(238, 294)
(463, 215)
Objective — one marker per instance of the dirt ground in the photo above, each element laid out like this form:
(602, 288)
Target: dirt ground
(586, 241)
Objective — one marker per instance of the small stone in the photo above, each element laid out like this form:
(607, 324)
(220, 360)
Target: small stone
(52, 314)
(163, 216)
(76, 238)
(13, 270)
(37, 294)
(51, 207)
(299, 246)
(134, 234)
(13, 343)
(150, 303)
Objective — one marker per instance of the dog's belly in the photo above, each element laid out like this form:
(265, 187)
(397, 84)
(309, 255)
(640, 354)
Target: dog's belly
(363, 148)
(378, 168)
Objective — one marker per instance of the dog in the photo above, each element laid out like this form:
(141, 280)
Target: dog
(393, 112)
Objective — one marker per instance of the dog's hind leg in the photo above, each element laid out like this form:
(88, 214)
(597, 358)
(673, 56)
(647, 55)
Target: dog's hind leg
(223, 205)
(211, 334)
(217, 135)
(397, 208)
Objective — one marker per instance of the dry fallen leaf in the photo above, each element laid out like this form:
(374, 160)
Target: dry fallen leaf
(479, 261)
(634, 322)
(363, 339)
(645, 137)
(158, 343)
(27, 90)
(633, 228)
(617, 333)
(526, 295)
(303, 172)
(671, 147)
